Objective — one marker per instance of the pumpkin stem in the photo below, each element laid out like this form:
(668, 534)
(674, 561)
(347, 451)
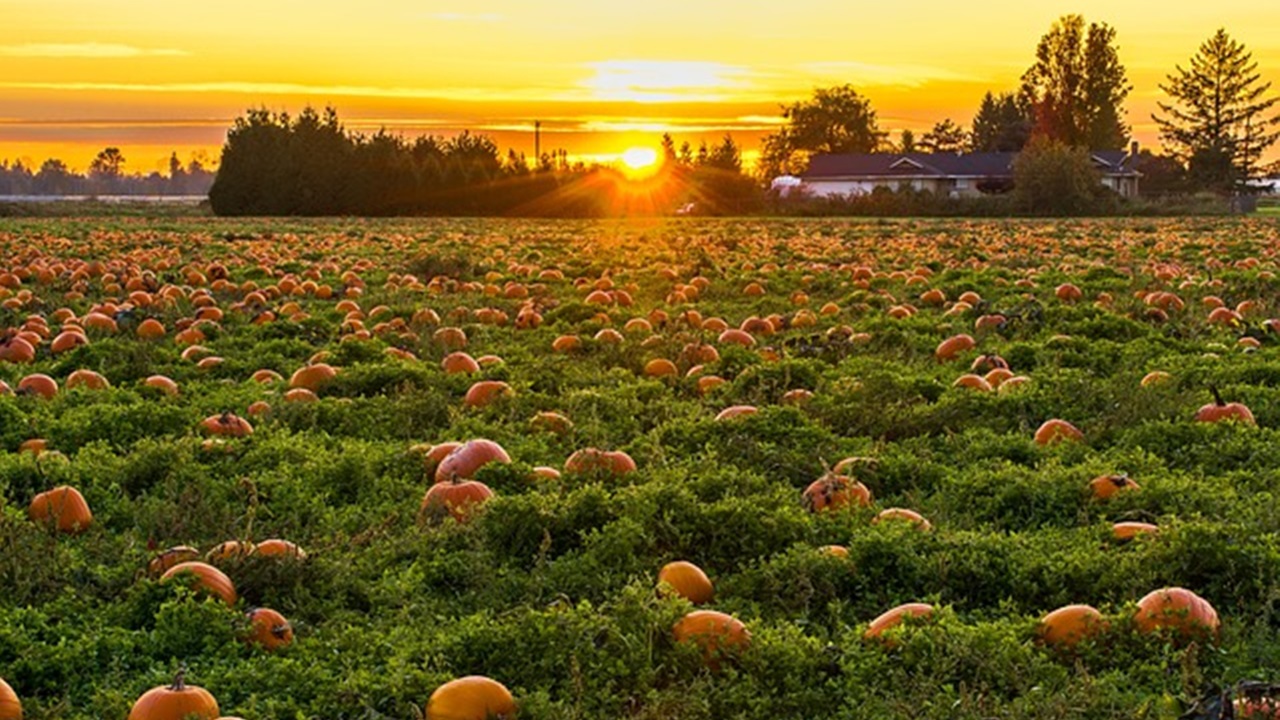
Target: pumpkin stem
(180, 679)
(1217, 397)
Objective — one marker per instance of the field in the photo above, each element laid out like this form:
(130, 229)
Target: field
(550, 586)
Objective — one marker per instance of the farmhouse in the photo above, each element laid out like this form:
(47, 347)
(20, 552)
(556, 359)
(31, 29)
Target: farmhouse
(946, 174)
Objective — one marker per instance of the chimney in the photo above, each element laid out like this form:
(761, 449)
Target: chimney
(1133, 149)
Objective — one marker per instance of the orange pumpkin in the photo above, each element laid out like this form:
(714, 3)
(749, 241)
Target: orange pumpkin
(736, 411)
(1055, 431)
(833, 491)
(64, 508)
(474, 697)
(1105, 486)
(313, 377)
(687, 581)
(275, 547)
(591, 460)
(227, 424)
(168, 558)
(1219, 411)
(1130, 530)
(910, 516)
(269, 629)
(951, 348)
(229, 550)
(38, 384)
(463, 462)
(894, 617)
(10, 706)
(178, 701)
(486, 392)
(458, 499)
(459, 362)
(551, 422)
(1068, 625)
(163, 384)
(87, 379)
(715, 633)
(1177, 609)
(207, 578)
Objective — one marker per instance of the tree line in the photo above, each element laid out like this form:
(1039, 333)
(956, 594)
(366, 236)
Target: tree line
(1215, 126)
(106, 176)
(309, 164)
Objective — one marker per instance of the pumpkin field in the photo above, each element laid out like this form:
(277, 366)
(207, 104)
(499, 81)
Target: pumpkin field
(694, 469)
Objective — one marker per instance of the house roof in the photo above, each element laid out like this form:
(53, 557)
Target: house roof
(916, 165)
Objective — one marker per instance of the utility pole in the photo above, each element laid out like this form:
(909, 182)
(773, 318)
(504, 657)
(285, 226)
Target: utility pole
(537, 144)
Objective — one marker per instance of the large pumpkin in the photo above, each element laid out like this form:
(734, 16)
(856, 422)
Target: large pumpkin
(1180, 610)
(466, 460)
(687, 581)
(1068, 625)
(227, 425)
(591, 460)
(207, 578)
(312, 377)
(1219, 411)
(1055, 431)
(715, 633)
(178, 701)
(64, 507)
(10, 706)
(474, 697)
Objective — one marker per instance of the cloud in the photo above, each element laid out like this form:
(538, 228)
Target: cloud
(665, 80)
(85, 50)
(873, 75)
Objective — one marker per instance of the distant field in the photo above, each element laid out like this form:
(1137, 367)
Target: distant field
(736, 364)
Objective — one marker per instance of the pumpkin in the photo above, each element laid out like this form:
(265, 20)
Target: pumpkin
(1068, 293)
(893, 618)
(660, 367)
(1106, 486)
(485, 392)
(38, 384)
(799, 396)
(1130, 530)
(459, 362)
(178, 701)
(591, 460)
(229, 550)
(313, 377)
(269, 628)
(973, 382)
(986, 363)
(1155, 377)
(474, 697)
(839, 551)
(168, 558)
(16, 350)
(951, 348)
(10, 706)
(1056, 431)
(465, 461)
(715, 633)
(551, 422)
(64, 508)
(1179, 610)
(227, 424)
(275, 547)
(832, 492)
(910, 516)
(433, 454)
(1068, 625)
(687, 581)
(1219, 411)
(459, 499)
(207, 578)
(163, 384)
(736, 411)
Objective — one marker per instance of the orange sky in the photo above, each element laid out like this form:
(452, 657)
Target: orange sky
(152, 76)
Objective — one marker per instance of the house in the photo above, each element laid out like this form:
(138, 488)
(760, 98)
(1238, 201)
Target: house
(947, 174)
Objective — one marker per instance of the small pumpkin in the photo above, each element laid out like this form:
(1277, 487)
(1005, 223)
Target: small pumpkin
(591, 460)
(178, 701)
(466, 460)
(1132, 529)
(459, 499)
(474, 697)
(64, 508)
(687, 581)
(715, 633)
(904, 514)
(269, 628)
(168, 558)
(10, 705)
(275, 547)
(1068, 625)
(207, 578)
(1219, 411)
(1106, 486)
(832, 492)
(485, 392)
(1055, 431)
(894, 617)
(951, 348)
(313, 377)
(227, 425)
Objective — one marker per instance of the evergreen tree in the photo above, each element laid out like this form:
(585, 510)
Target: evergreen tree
(1219, 124)
(1003, 124)
(945, 137)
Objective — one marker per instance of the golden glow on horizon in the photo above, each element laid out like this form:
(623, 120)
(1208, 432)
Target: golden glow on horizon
(639, 161)
(603, 77)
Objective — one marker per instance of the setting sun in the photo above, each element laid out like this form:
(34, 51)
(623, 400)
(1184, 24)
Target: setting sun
(639, 162)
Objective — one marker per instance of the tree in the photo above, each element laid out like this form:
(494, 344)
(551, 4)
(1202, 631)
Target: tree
(1077, 86)
(1218, 124)
(945, 137)
(908, 142)
(1162, 175)
(108, 165)
(834, 120)
(1003, 124)
(1053, 178)
(54, 178)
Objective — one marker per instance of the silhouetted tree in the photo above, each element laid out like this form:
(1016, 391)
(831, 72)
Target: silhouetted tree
(834, 120)
(907, 142)
(945, 137)
(1219, 123)
(1003, 124)
(1077, 85)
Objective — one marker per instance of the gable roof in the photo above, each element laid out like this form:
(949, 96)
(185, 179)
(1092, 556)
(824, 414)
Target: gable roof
(923, 165)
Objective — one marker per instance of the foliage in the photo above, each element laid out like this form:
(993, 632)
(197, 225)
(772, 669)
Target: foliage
(1003, 123)
(1052, 178)
(834, 120)
(1077, 86)
(1218, 124)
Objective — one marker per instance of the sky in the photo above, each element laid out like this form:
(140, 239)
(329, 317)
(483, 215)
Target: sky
(154, 77)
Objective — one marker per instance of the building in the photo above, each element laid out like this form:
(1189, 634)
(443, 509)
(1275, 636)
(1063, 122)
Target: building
(946, 174)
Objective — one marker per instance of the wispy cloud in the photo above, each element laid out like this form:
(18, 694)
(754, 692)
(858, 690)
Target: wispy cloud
(85, 50)
(875, 75)
(665, 80)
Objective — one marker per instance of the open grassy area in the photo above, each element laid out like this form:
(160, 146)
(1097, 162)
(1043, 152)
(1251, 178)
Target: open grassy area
(638, 335)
